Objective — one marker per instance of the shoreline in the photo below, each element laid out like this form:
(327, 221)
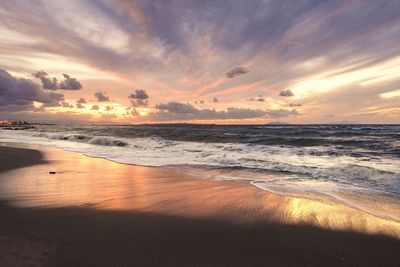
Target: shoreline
(384, 205)
(281, 208)
(206, 174)
(110, 213)
(19, 158)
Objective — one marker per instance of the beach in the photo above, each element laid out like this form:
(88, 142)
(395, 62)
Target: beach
(94, 212)
(199, 133)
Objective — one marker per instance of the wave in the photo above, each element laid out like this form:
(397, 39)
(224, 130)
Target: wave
(94, 140)
(371, 139)
(318, 163)
(317, 171)
(321, 163)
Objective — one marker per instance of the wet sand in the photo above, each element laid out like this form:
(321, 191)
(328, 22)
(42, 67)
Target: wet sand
(94, 212)
(12, 158)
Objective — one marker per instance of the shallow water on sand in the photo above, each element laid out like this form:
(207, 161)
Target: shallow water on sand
(357, 166)
(98, 183)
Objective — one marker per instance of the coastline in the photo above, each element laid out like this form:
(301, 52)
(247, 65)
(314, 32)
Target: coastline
(12, 158)
(169, 218)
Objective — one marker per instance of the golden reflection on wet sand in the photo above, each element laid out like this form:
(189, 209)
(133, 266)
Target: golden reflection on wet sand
(99, 183)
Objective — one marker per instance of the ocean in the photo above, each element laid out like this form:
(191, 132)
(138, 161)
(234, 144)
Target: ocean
(355, 165)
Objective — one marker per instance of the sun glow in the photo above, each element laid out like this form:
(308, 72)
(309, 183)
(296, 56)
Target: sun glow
(338, 78)
(97, 111)
(391, 94)
(44, 61)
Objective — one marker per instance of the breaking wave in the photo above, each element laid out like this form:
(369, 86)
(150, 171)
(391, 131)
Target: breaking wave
(325, 170)
(94, 140)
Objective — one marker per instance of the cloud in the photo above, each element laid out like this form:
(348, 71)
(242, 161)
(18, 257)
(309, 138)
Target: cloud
(65, 104)
(236, 71)
(109, 108)
(215, 100)
(165, 27)
(259, 99)
(40, 115)
(80, 102)
(139, 98)
(109, 116)
(18, 94)
(47, 83)
(69, 83)
(368, 114)
(132, 112)
(176, 107)
(95, 107)
(176, 111)
(79, 105)
(280, 43)
(295, 105)
(280, 113)
(101, 97)
(286, 93)
(139, 94)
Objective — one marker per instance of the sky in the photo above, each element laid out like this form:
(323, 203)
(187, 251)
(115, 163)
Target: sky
(210, 61)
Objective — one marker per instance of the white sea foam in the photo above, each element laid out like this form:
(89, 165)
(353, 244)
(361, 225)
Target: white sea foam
(322, 190)
(301, 171)
(330, 191)
(160, 152)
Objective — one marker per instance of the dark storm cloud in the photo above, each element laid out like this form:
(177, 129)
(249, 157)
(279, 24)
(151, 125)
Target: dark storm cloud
(18, 94)
(236, 71)
(68, 83)
(176, 111)
(286, 93)
(101, 97)
(139, 98)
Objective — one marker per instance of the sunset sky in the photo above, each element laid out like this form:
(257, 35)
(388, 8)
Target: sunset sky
(305, 61)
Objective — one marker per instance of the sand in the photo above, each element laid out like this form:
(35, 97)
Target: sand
(164, 217)
(12, 158)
